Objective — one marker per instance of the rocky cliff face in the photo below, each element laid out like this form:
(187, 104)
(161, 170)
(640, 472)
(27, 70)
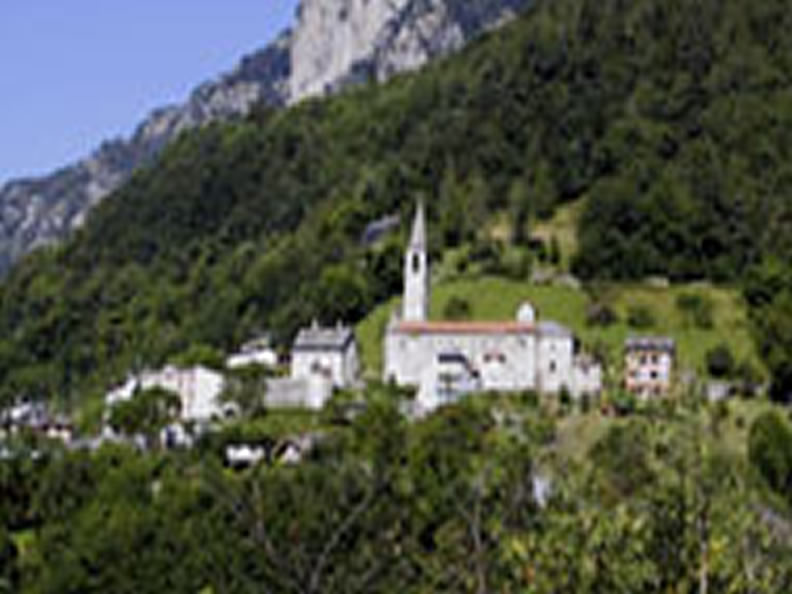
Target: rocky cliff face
(334, 43)
(341, 41)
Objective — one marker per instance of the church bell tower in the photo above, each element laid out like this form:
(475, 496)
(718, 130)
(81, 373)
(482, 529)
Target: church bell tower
(416, 272)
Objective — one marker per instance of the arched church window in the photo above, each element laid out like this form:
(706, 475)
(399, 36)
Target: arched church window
(416, 262)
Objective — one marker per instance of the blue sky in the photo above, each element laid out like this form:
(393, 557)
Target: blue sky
(76, 72)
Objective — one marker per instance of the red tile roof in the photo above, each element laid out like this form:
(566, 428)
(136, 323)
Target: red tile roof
(464, 328)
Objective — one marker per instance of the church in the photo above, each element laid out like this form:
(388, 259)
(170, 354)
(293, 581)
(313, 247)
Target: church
(445, 360)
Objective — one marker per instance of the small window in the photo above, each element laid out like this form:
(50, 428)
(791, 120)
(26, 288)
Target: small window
(416, 262)
(654, 375)
(655, 359)
(552, 366)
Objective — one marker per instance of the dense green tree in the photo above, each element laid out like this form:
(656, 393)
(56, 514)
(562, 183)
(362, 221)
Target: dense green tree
(246, 388)
(769, 293)
(640, 317)
(720, 361)
(9, 573)
(474, 498)
(770, 451)
(146, 413)
(622, 457)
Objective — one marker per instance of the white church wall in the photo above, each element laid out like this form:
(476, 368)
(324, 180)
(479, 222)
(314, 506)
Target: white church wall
(504, 362)
(555, 363)
(405, 357)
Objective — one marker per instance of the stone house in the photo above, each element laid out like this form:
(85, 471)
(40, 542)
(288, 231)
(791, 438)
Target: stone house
(331, 353)
(254, 352)
(198, 388)
(649, 365)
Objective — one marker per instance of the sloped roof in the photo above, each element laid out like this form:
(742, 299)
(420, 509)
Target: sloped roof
(317, 338)
(650, 343)
(509, 327)
(418, 236)
(554, 330)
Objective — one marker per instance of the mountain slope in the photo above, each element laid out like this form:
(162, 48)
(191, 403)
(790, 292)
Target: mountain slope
(256, 224)
(334, 43)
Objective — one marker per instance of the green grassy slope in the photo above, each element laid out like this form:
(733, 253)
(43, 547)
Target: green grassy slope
(577, 433)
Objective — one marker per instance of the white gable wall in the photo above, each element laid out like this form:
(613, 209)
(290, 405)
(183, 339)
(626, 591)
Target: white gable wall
(555, 363)
(341, 367)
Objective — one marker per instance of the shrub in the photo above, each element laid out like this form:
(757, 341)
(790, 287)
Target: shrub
(538, 247)
(770, 451)
(488, 254)
(529, 398)
(600, 314)
(719, 414)
(696, 309)
(640, 316)
(457, 308)
(517, 264)
(622, 458)
(565, 398)
(624, 403)
(540, 429)
(720, 361)
(200, 354)
(555, 251)
(749, 378)
(8, 561)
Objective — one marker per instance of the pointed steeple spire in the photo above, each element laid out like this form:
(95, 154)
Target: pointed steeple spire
(415, 307)
(418, 237)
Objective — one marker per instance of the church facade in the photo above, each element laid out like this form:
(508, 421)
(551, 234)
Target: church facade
(445, 360)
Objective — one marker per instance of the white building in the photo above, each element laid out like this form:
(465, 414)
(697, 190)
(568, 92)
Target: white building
(311, 392)
(198, 389)
(326, 352)
(444, 360)
(649, 365)
(254, 352)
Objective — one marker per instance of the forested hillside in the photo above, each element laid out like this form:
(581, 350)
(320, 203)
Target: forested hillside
(479, 497)
(669, 116)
